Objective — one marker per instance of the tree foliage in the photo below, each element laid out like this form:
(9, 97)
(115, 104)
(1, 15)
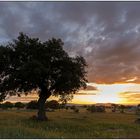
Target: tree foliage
(114, 107)
(53, 104)
(7, 105)
(94, 108)
(122, 108)
(76, 110)
(19, 105)
(32, 105)
(138, 109)
(28, 64)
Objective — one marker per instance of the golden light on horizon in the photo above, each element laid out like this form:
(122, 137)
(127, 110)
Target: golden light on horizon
(127, 93)
(109, 93)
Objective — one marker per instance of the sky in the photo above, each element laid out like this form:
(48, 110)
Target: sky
(106, 34)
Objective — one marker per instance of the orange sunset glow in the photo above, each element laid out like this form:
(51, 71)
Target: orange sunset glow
(111, 93)
(127, 93)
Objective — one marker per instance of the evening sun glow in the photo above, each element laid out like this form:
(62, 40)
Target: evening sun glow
(108, 93)
(127, 93)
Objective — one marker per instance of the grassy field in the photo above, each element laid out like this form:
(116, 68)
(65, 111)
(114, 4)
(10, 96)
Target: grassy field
(67, 124)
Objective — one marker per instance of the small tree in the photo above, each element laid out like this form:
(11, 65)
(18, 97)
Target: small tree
(114, 107)
(7, 105)
(94, 108)
(138, 113)
(122, 107)
(61, 106)
(91, 108)
(138, 109)
(19, 105)
(76, 110)
(100, 108)
(32, 105)
(28, 64)
(84, 106)
(66, 107)
(53, 104)
(73, 107)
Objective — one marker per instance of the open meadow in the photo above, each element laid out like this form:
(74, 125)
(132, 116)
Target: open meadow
(68, 124)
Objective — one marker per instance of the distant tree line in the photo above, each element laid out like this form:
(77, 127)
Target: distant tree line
(54, 105)
(94, 108)
(9, 105)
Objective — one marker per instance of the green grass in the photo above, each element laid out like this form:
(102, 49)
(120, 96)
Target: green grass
(67, 124)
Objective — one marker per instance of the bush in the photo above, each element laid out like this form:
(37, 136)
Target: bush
(91, 108)
(53, 104)
(61, 106)
(32, 105)
(19, 105)
(137, 121)
(138, 109)
(73, 107)
(0, 105)
(7, 105)
(121, 107)
(94, 108)
(114, 107)
(66, 107)
(84, 106)
(76, 110)
(100, 109)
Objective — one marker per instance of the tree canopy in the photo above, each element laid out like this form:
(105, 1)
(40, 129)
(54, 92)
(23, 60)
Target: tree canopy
(28, 64)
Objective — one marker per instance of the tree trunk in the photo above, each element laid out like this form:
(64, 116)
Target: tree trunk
(41, 115)
(44, 94)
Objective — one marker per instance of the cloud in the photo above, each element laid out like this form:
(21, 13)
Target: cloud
(85, 93)
(91, 88)
(105, 33)
(22, 98)
(130, 96)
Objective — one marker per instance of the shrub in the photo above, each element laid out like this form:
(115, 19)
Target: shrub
(84, 106)
(121, 107)
(66, 107)
(91, 108)
(61, 106)
(7, 105)
(137, 121)
(76, 110)
(114, 107)
(138, 109)
(32, 105)
(100, 109)
(53, 104)
(19, 105)
(94, 108)
(73, 107)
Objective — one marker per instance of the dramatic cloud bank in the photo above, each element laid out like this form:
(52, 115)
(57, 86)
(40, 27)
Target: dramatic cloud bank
(107, 34)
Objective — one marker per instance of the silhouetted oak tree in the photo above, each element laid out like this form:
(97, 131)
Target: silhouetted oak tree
(28, 64)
